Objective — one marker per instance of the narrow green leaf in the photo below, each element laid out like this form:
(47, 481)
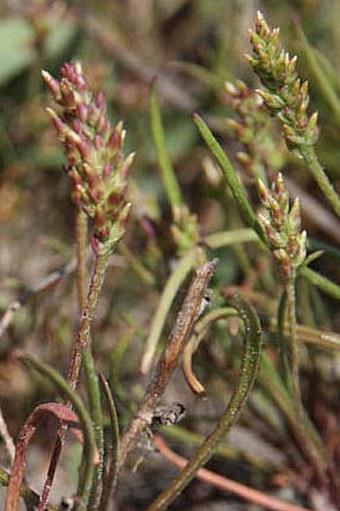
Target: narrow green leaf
(171, 186)
(326, 285)
(230, 176)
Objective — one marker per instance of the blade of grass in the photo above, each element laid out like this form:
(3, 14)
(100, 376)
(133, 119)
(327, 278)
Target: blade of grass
(326, 285)
(230, 177)
(171, 186)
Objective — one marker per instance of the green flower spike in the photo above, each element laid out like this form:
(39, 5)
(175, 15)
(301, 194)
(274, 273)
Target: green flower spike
(286, 95)
(97, 167)
(282, 226)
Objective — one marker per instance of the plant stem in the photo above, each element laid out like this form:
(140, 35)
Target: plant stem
(110, 477)
(82, 340)
(309, 155)
(81, 245)
(91, 378)
(89, 439)
(31, 498)
(6, 438)
(228, 485)
(169, 358)
(170, 290)
(249, 369)
(93, 393)
(294, 376)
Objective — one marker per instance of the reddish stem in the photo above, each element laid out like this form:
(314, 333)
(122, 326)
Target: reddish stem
(227, 485)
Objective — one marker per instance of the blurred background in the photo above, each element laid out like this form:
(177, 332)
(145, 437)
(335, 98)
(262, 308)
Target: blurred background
(191, 47)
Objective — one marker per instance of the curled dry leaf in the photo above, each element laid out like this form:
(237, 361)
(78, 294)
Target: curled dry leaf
(63, 415)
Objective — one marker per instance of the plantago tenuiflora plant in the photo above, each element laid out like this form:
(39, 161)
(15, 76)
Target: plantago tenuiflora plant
(282, 226)
(98, 172)
(286, 96)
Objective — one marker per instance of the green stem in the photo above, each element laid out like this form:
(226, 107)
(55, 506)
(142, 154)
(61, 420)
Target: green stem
(309, 155)
(230, 177)
(89, 438)
(294, 379)
(226, 238)
(93, 394)
(171, 186)
(110, 477)
(249, 369)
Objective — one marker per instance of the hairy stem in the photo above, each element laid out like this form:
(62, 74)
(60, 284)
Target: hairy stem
(82, 340)
(110, 475)
(81, 246)
(86, 307)
(89, 439)
(294, 380)
(169, 358)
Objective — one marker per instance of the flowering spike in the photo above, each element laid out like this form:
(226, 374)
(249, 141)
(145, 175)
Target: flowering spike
(282, 227)
(97, 168)
(286, 95)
